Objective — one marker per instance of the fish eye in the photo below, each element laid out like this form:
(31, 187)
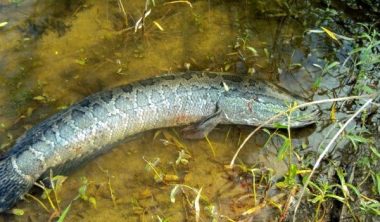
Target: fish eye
(303, 108)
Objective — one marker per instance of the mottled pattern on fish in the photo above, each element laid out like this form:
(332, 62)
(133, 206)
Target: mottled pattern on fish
(108, 117)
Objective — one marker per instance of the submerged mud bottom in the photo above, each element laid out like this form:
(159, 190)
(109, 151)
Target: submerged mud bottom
(126, 182)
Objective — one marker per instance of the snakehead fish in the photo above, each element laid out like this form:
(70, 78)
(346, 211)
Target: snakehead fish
(95, 124)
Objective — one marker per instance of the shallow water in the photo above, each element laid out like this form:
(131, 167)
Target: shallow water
(54, 53)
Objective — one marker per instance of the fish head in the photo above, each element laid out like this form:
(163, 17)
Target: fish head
(263, 103)
(294, 110)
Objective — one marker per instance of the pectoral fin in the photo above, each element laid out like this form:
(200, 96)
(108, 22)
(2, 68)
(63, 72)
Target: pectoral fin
(202, 128)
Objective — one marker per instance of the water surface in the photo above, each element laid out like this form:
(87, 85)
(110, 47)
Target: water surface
(54, 53)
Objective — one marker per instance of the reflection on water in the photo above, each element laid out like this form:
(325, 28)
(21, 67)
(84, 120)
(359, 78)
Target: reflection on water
(55, 52)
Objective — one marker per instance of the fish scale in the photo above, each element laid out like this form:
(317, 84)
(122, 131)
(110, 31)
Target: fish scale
(98, 122)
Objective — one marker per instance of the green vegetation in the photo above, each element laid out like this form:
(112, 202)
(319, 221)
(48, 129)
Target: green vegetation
(51, 195)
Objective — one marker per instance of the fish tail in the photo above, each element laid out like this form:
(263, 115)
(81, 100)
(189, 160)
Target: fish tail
(12, 184)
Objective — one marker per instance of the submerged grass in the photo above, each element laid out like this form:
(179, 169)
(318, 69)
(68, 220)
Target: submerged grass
(51, 195)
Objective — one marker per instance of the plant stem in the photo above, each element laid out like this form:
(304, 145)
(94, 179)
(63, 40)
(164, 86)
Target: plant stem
(325, 151)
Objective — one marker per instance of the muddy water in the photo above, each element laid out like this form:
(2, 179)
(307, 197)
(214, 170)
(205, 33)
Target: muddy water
(55, 53)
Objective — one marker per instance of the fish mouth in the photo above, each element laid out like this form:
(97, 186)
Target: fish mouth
(305, 119)
(315, 114)
(301, 121)
(310, 118)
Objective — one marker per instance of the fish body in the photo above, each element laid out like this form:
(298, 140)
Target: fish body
(104, 119)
